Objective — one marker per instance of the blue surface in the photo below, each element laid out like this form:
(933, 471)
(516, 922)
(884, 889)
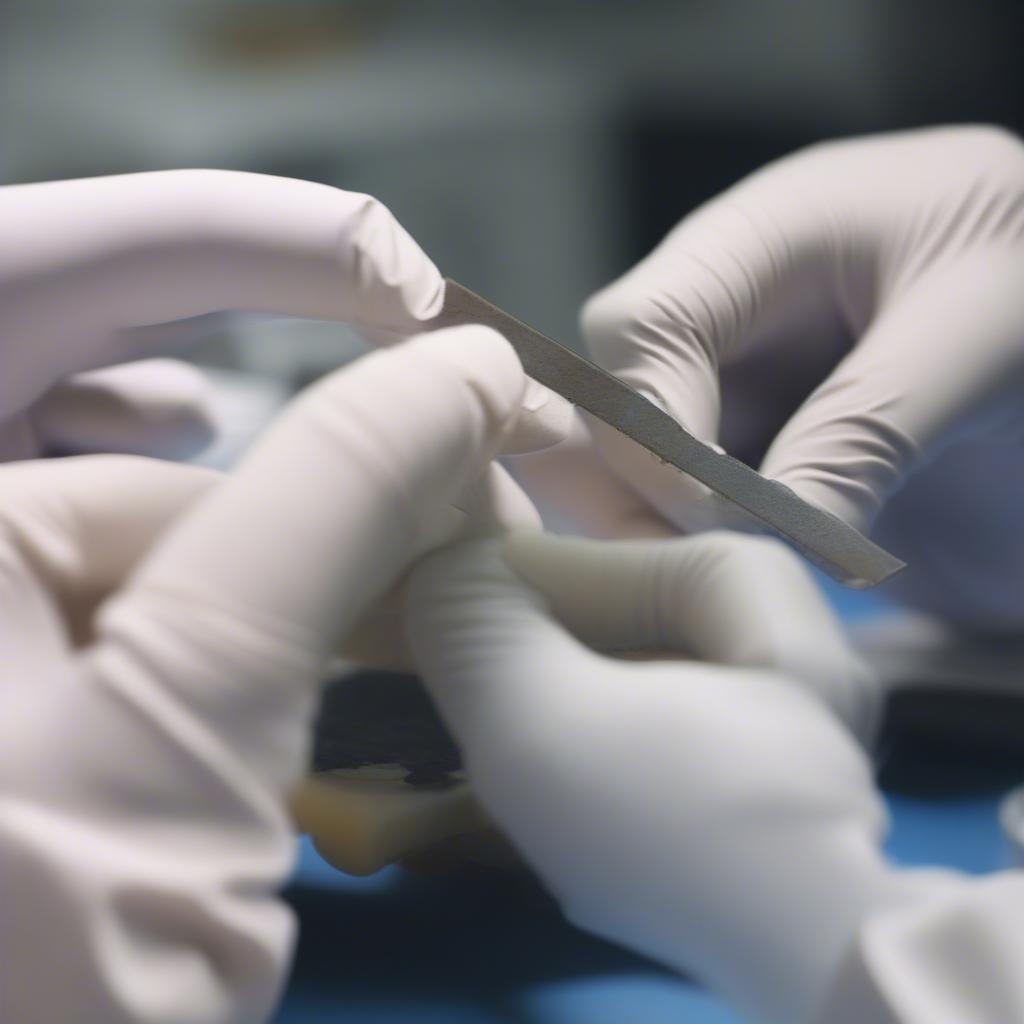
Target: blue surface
(480, 949)
(475, 948)
(961, 833)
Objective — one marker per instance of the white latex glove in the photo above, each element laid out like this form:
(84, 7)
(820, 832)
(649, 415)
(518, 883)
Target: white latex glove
(157, 407)
(901, 257)
(716, 818)
(105, 270)
(147, 746)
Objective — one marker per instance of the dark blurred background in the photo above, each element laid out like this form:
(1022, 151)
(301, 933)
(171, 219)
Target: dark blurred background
(535, 149)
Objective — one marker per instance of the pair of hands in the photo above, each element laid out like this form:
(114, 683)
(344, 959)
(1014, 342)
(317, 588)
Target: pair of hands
(717, 813)
(909, 246)
(361, 489)
(95, 272)
(165, 629)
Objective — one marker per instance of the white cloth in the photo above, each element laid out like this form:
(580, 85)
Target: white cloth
(713, 815)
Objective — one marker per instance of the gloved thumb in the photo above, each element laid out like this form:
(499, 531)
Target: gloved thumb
(487, 647)
(352, 482)
(718, 597)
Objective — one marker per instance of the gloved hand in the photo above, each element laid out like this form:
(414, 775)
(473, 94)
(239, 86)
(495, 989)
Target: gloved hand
(163, 637)
(862, 301)
(106, 270)
(714, 816)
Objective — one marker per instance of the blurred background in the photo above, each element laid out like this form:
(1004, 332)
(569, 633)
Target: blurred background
(535, 149)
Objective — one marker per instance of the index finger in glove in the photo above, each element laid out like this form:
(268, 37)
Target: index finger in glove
(82, 263)
(718, 282)
(492, 504)
(719, 597)
(342, 493)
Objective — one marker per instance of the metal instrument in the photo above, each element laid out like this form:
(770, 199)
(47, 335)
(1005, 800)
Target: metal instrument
(840, 550)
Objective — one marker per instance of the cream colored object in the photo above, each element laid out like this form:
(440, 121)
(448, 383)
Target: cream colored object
(164, 634)
(714, 816)
(900, 257)
(362, 820)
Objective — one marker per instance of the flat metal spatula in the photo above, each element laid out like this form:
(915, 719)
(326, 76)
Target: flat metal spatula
(840, 550)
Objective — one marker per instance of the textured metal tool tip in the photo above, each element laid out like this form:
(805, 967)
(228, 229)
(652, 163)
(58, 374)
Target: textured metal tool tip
(840, 550)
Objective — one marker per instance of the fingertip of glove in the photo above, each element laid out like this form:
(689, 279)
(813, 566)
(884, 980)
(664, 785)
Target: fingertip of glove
(545, 419)
(401, 286)
(428, 298)
(484, 361)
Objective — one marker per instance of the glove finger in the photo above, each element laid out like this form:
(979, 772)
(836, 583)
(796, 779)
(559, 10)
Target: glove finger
(488, 648)
(82, 524)
(104, 256)
(928, 371)
(156, 407)
(492, 504)
(545, 418)
(720, 282)
(718, 597)
(331, 506)
(495, 502)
